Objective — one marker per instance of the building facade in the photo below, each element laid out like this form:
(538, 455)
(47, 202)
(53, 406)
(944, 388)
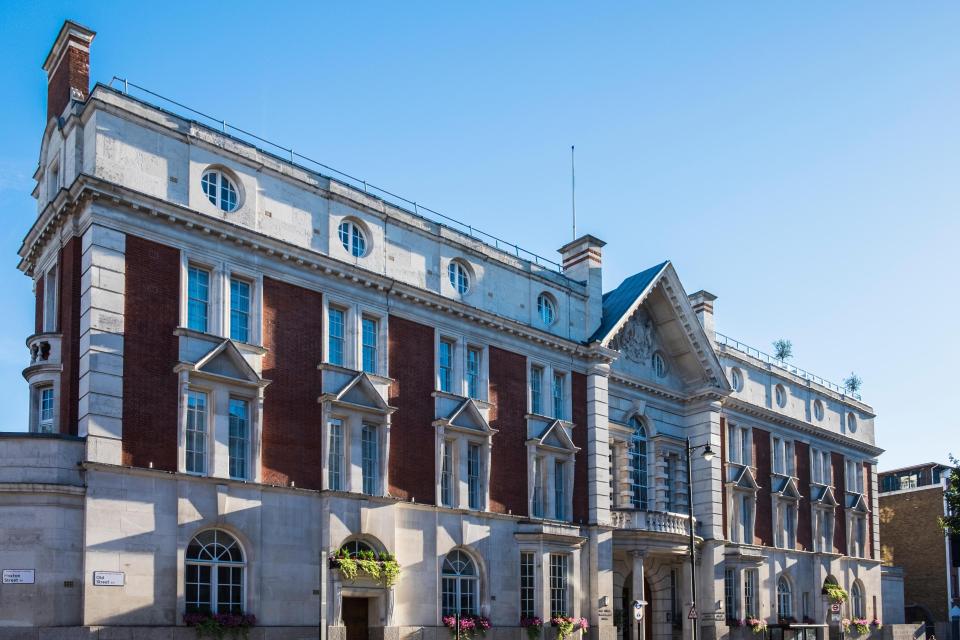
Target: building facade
(246, 377)
(911, 501)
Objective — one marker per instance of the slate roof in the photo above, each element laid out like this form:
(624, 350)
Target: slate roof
(618, 302)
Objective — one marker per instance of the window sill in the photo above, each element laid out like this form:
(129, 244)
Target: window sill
(483, 404)
(326, 366)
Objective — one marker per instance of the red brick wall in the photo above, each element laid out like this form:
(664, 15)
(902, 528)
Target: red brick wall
(723, 475)
(763, 533)
(69, 325)
(581, 489)
(508, 458)
(839, 491)
(412, 436)
(151, 314)
(73, 71)
(292, 448)
(804, 531)
(38, 306)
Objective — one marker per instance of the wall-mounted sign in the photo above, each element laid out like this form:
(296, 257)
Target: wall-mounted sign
(108, 578)
(19, 576)
(835, 607)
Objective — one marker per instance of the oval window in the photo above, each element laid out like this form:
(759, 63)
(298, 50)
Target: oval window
(353, 239)
(851, 422)
(547, 309)
(736, 379)
(220, 190)
(459, 277)
(818, 410)
(781, 395)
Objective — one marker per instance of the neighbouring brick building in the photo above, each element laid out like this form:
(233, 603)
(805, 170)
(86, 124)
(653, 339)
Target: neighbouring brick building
(247, 374)
(911, 501)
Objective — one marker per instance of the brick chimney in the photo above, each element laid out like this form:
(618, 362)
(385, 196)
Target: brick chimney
(702, 303)
(68, 68)
(583, 261)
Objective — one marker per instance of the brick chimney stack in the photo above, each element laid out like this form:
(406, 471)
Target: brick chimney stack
(702, 303)
(68, 68)
(583, 261)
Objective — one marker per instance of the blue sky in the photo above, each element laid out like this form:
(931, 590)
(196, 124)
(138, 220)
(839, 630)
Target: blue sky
(799, 161)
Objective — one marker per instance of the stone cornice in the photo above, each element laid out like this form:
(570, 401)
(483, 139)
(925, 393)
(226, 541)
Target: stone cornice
(86, 189)
(767, 415)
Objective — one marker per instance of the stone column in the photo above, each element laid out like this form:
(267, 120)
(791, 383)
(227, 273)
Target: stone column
(636, 588)
(102, 285)
(598, 443)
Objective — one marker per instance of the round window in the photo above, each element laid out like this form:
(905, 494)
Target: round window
(353, 239)
(220, 190)
(851, 422)
(736, 379)
(818, 410)
(781, 396)
(659, 365)
(547, 309)
(459, 276)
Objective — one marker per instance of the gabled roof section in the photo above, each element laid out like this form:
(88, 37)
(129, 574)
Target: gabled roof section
(619, 304)
(361, 392)
(226, 361)
(555, 436)
(693, 348)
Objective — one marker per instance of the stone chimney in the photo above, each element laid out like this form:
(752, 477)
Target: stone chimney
(68, 68)
(583, 261)
(702, 302)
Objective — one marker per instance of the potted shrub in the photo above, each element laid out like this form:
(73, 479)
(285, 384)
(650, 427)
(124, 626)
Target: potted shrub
(470, 626)
(566, 626)
(383, 568)
(217, 625)
(533, 626)
(757, 625)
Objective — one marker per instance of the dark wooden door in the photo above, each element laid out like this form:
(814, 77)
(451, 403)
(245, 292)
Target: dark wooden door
(355, 612)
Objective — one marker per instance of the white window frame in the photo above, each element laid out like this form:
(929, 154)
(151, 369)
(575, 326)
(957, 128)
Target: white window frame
(248, 444)
(461, 345)
(248, 312)
(51, 289)
(371, 485)
(353, 229)
(338, 433)
(374, 368)
(751, 593)
(38, 424)
(354, 313)
(560, 585)
(220, 273)
(741, 436)
(206, 431)
(221, 203)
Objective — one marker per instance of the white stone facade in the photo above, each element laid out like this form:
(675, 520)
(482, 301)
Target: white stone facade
(610, 526)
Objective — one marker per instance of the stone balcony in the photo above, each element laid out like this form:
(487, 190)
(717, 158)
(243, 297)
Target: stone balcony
(652, 521)
(44, 351)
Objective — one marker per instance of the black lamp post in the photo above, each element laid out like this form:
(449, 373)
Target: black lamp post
(707, 455)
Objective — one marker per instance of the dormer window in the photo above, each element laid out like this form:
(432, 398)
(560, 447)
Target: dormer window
(220, 190)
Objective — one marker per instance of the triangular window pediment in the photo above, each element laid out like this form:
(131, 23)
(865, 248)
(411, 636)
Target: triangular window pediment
(856, 502)
(361, 392)
(824, 496)
(226, 361)
(467, 416)
(555, 436)
(746, 480)
(788, 489)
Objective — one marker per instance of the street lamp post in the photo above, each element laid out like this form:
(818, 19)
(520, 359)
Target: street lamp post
(707, 455)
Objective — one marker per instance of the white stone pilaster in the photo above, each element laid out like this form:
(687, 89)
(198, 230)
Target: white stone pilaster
(598, 443)
(102, 285)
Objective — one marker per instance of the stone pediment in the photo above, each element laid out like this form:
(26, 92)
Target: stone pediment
(823, 495)
(466, 416)
(744, 479)
(650, 315)
(360, 393)
(555, 436)
(786, 487)
(225, 362)
(857, 502)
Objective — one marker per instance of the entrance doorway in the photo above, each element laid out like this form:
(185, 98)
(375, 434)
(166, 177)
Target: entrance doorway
(630, 631)
(356, 613)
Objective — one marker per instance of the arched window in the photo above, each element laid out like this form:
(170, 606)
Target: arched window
(355, 547)
(638, 465)
(784, 598)
(659, 365)
(220, 190)
(214, 577)
(858, 604)
(461, 584)
(352, 238)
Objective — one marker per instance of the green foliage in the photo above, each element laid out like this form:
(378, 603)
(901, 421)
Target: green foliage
(782, 349)
(835, 593)
(853, 383)
(385, 569)
(950, 523)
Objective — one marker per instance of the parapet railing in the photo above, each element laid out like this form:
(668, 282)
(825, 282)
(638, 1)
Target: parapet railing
(290, 155)
(780, 364)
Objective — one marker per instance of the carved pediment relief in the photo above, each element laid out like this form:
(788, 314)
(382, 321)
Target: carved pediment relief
(636, 341)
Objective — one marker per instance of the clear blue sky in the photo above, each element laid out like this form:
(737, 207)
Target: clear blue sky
(799, 161)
